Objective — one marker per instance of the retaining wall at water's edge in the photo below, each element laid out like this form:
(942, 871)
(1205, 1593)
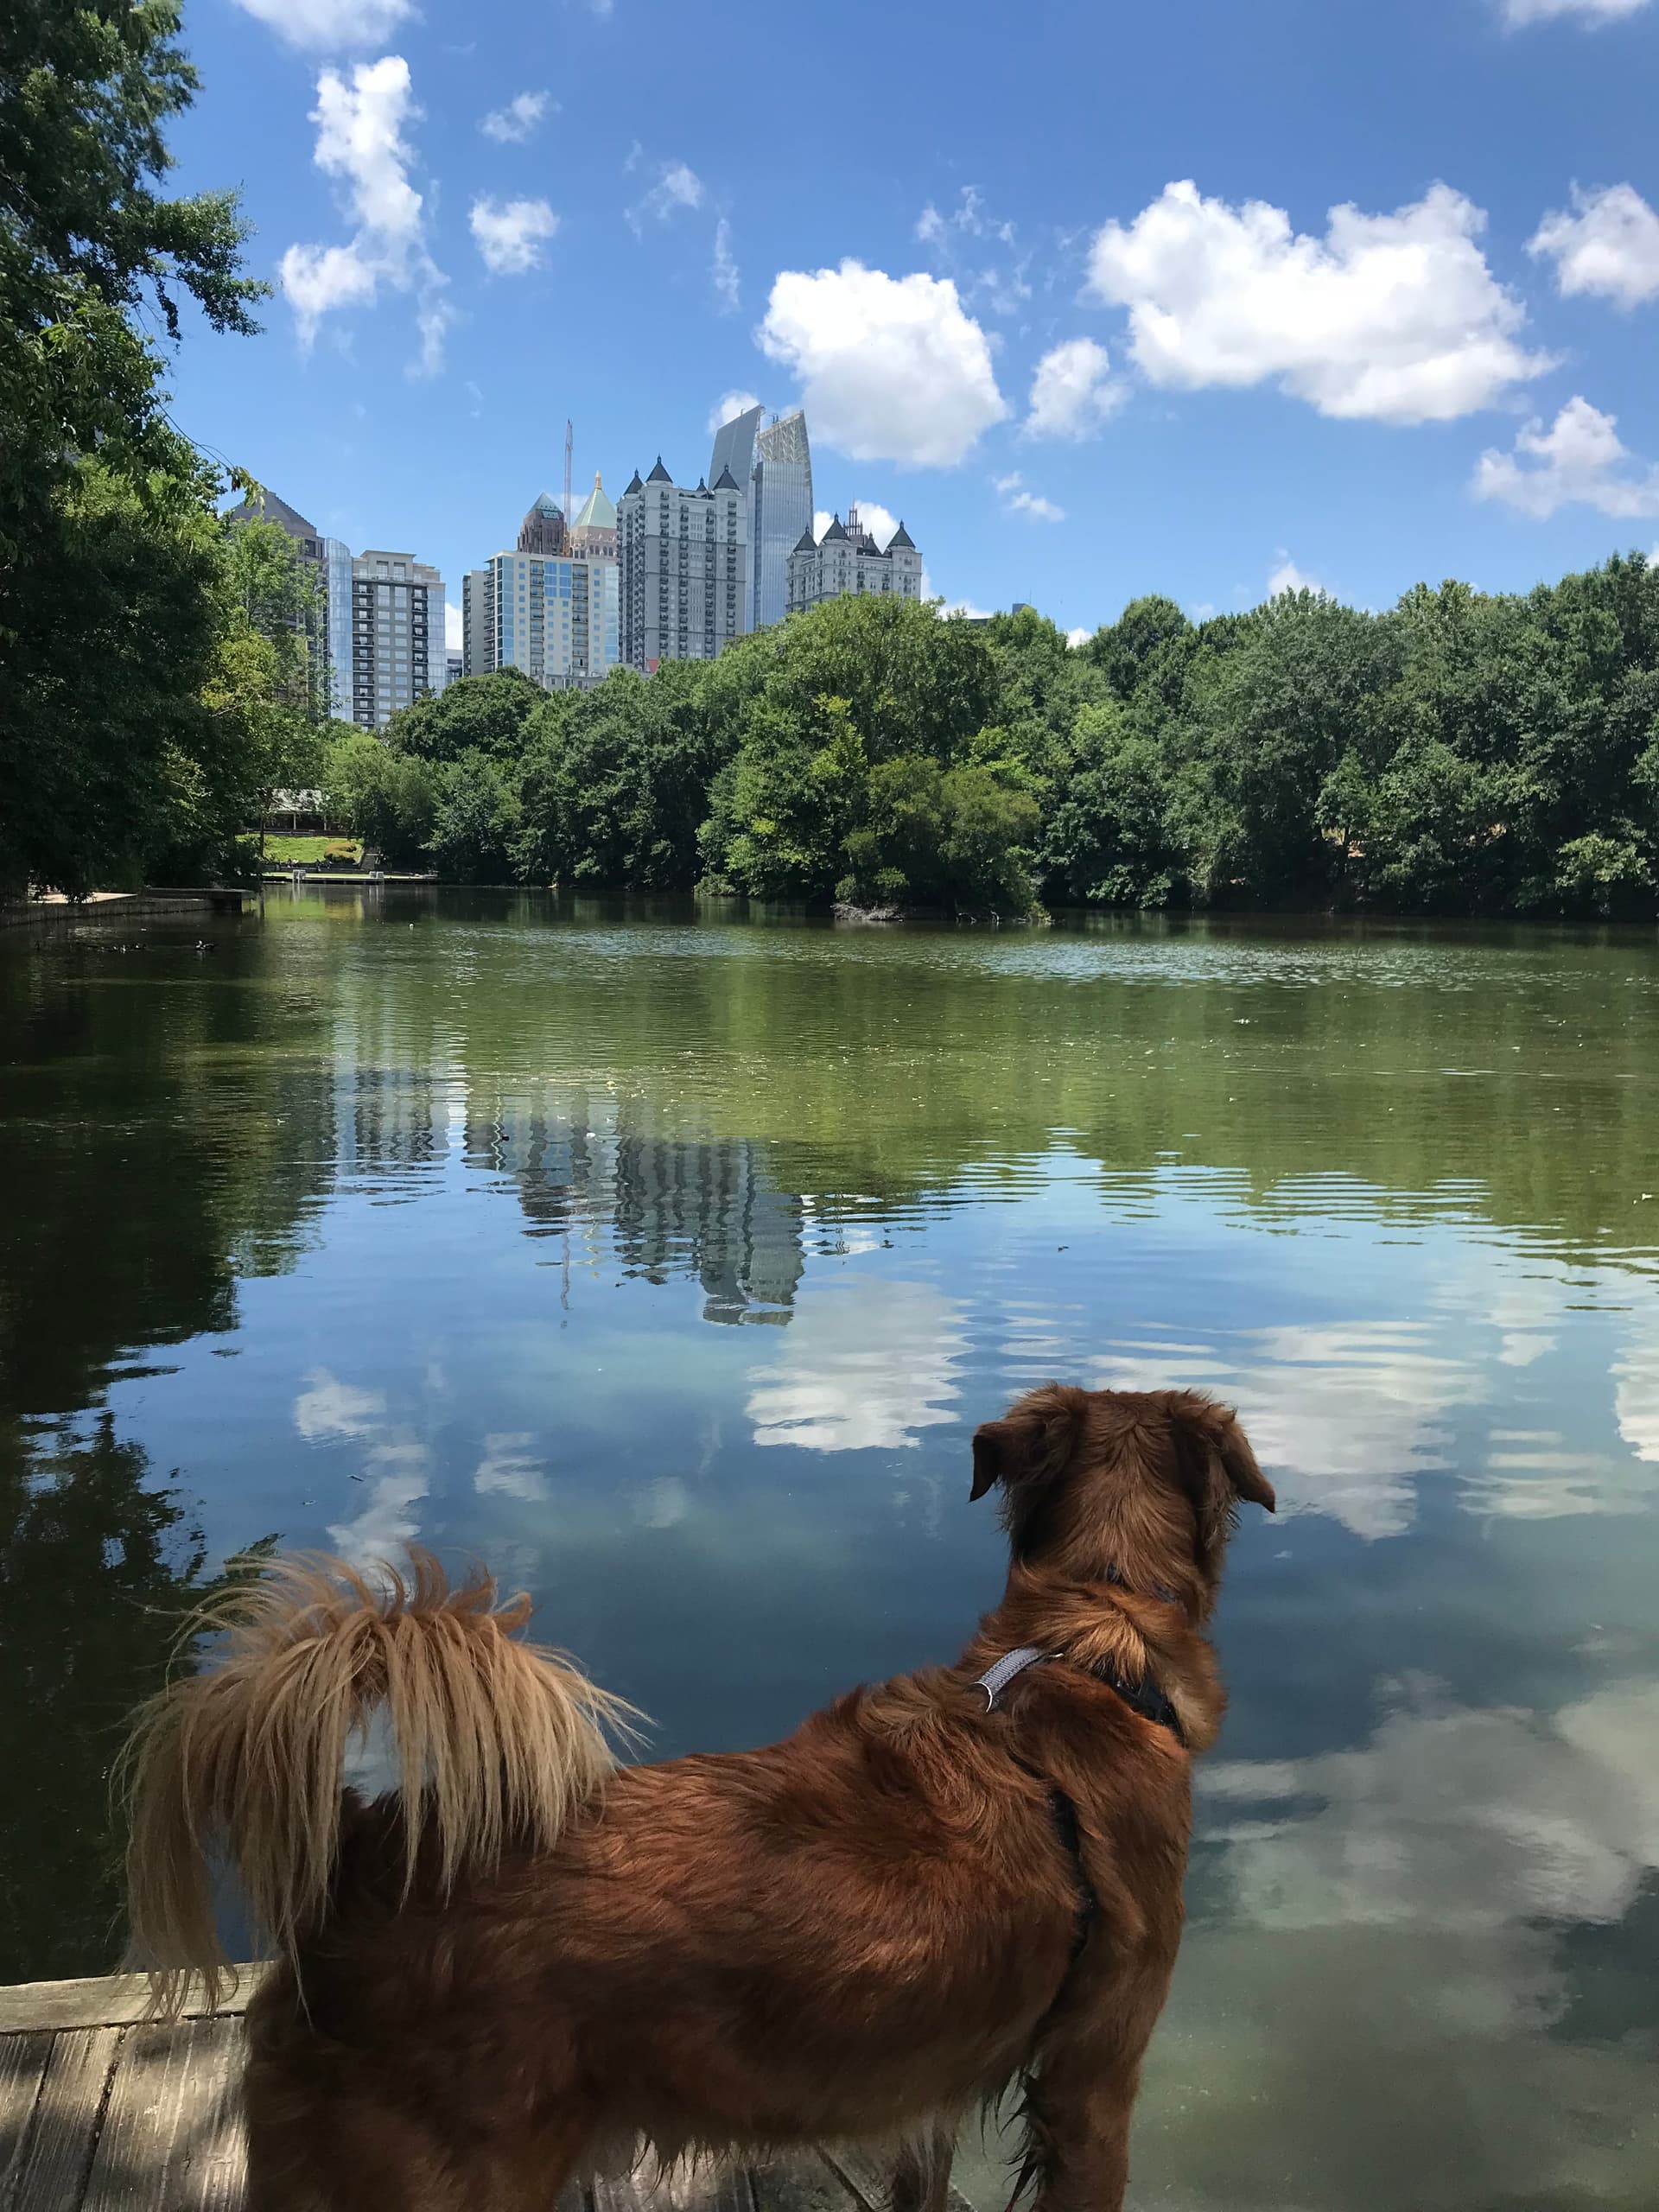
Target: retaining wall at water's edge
(58, 912)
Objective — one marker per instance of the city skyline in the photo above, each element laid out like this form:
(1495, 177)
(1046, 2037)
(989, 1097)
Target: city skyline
(567, 604)
(1350, 299)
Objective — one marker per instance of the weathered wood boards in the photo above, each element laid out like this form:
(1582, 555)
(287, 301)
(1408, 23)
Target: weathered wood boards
(101, 2111)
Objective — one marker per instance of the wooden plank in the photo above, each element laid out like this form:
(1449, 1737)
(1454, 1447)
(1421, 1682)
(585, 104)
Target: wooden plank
(22, 2068)
(869, 2176)
(704, 2186)
(172, 2138)
(110, 2000)
(52, 2174)
(806, 2182)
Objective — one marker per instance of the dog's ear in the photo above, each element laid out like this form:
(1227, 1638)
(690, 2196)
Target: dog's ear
(1215, 1458)
(1034, 1439)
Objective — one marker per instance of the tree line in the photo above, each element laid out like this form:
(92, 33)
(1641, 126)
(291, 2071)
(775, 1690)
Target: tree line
(1460, 753)
(154, 679)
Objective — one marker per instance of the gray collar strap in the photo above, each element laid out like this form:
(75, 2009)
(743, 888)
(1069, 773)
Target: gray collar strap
(996, 1679)
(1144, 1696)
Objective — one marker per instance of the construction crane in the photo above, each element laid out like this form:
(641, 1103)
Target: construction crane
(570, 440)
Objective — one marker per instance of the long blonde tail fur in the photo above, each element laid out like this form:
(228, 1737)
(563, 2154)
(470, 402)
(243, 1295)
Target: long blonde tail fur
(497, 1740)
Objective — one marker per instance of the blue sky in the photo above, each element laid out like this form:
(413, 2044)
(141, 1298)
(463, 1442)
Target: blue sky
(1102, 299)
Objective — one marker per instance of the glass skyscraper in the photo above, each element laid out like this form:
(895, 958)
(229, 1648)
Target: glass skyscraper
(774, 466)
(337, 601)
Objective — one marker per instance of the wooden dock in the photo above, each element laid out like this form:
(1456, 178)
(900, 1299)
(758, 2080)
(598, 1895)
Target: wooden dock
(101, 2111)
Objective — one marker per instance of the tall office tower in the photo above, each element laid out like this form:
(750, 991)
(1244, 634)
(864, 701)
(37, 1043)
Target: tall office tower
(397, 651)
(329, 629)
(774, 466)
(848, 559)
(593, 534)
(684, 563)
(543, 529)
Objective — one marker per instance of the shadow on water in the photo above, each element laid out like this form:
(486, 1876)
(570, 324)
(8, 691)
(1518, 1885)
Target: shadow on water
(159, 1143)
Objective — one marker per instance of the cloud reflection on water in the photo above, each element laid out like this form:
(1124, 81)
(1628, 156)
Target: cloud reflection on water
(866, 1363)
(1402, 1913)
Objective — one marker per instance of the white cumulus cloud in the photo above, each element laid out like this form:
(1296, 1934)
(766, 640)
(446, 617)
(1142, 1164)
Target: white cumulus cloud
(511, 125)
(452, 627)
(890, 368)
(1073, 392)
(318, 279)
(1020, 500)
(510, 234)
(729, 406)
(1394, 318)
(1078, 637)
(1579, 461)
(1609, 245)
(1521, 12)
(329, 26)
(360, 143)
(880, 521)
(1287, 577)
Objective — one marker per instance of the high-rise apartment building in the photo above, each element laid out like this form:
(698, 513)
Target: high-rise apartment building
(478, 622)
(773, 463)
(554, 615)
(398, 649)
(329, 628)
(848, 559)
(685, 558)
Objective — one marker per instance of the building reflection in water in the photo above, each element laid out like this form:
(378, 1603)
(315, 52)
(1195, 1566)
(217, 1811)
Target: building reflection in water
(598, 1170)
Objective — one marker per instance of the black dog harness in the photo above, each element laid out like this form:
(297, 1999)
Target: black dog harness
(1146, 1699)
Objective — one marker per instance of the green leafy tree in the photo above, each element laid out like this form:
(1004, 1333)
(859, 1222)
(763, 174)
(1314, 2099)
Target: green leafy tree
(614, 784)
(109, 631)
(480, 714)
(1107, 840)
(388, 799)
(475, 820)
(783, 808)
(108, 547)
(1126, 650)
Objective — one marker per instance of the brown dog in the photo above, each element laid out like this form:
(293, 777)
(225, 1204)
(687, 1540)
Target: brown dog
(932, 1891)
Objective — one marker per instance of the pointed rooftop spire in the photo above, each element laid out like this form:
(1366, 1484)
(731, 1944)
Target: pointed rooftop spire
(596, 511)
(659, 474)
(833, 531)
(632, 484)
(807, 542)
(901, 538)
(726, 481)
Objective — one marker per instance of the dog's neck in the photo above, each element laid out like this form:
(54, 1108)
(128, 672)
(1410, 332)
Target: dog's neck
(1113, 1624)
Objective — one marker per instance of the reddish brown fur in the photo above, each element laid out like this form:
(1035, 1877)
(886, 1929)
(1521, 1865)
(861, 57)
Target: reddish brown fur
(859, 1932)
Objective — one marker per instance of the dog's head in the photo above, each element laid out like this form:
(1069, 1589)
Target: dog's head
(1143, 1480)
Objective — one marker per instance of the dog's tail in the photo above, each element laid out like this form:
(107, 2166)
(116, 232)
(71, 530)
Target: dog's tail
(497, 1741)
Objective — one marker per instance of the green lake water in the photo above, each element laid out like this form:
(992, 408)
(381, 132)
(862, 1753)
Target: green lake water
(666, 1261)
